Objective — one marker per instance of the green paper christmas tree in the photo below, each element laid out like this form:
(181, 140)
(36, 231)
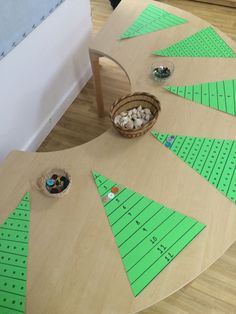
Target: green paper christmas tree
(152, 19)
(14, 237)
(213, 159)
(148, 234)
(219, 95)
(205, 43)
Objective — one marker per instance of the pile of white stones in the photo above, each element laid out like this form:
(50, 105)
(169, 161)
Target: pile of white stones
(134, 118)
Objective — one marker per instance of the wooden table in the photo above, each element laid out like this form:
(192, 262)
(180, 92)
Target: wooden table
(74, 265)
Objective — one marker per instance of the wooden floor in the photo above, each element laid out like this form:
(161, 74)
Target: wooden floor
(215, 290)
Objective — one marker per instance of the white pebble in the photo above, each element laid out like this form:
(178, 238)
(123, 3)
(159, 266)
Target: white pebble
(133, 118)
(138, 123)
(129, 125)
(147, 111)
(117, 120)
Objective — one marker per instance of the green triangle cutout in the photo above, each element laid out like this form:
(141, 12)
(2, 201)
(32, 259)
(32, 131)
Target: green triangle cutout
(14, 237)
(213, 159)
(219, 95)
(205, 43)
(152, 19)
(148, 235)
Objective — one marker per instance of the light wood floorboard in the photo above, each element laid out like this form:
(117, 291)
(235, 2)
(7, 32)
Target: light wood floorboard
(214, 291)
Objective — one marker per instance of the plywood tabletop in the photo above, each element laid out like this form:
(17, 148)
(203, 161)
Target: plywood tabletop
(74, 265)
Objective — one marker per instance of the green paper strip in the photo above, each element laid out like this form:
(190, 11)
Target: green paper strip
(213, 159)
(148, 235)
(14, 237)
(205, 43)
(220, 95)
(152, 19)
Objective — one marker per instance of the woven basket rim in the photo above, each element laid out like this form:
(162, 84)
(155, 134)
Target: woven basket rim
(135, 94)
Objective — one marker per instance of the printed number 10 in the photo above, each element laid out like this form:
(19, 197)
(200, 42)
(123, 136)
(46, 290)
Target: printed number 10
(153, 240)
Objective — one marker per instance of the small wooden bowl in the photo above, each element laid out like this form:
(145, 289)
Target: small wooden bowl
(133, 101)
(41, 182)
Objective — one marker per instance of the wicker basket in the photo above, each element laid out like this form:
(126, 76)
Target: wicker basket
(41, 182)
(133, 101)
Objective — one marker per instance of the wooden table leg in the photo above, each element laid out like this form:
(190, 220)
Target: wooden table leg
(94, 59)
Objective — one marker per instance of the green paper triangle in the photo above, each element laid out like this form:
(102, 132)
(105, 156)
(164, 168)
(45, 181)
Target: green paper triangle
(95, 174)
(213, 159)
(205, 43)
(148, 234)
(14, 237)
(152, 19)
(219, 95)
